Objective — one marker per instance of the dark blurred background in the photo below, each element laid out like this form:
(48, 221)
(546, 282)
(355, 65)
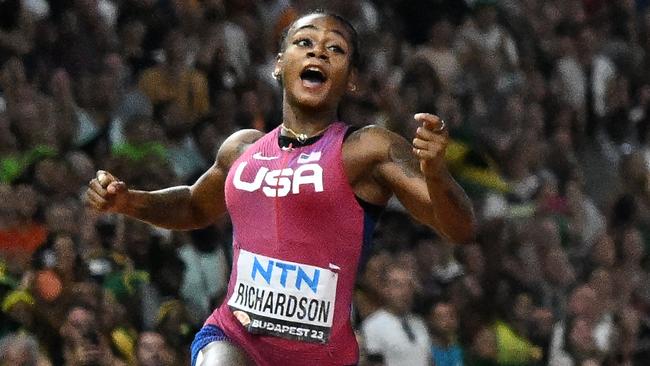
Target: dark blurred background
(548, 103)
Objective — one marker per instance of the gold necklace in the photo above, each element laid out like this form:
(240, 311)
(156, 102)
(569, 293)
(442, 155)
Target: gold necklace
(302, 137)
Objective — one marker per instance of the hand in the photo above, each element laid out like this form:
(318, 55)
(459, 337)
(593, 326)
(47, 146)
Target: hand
(430, 144)
(106, 193)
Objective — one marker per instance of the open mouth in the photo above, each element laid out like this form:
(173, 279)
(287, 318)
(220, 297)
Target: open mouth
(312, 77)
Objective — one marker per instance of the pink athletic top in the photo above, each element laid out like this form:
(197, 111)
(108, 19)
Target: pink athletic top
(298, 233)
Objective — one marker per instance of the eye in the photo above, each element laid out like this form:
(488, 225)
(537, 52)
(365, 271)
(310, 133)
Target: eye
(337, 49)
(303, 42)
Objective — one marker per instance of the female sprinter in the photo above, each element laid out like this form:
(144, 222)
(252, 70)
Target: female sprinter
(303, 202)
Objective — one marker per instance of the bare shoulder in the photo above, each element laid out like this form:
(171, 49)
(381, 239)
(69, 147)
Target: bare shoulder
(381, 151)
(375, 141)
(235, 145)
(365, 154)
(371, 131)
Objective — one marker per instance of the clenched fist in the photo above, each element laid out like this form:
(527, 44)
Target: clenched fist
(430, 143)
(106, 193)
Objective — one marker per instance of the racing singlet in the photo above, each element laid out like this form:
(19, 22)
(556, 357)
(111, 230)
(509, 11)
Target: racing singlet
(298, 232)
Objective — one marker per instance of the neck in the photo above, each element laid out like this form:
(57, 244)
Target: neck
(396, 310)
(444, 340)
(307, 121)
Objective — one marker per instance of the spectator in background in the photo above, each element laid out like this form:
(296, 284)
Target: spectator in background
(586, 221)
(173, 322)
(586, 330)
(32, 113)
(628, 339)
(443, 324)
(84, 343)
(152, 350)
(144, 145)
(558, 276)
(21, 350)
(367, 297)
(440, 53)
(628, 274)
(468, 293)
(489, 46)
(206, 275)
(115, 324)
(8, 143)
(20, 234)
(431, 262)
(15, 29)
(172, 81)
(182, 151)
(484, 348)
(585, 75)
(132, 34)
(407, 342)
(548, 103)
(89, 25)
(513, 332)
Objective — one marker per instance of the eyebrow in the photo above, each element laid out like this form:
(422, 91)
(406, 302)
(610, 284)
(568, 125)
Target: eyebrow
(311, 26)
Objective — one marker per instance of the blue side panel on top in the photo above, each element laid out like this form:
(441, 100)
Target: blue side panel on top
(369, 224)
(208, 334)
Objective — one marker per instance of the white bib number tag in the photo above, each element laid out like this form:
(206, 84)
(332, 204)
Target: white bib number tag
(284, 299)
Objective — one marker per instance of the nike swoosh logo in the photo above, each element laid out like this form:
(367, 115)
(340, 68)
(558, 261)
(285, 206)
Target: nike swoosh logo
(259, 156)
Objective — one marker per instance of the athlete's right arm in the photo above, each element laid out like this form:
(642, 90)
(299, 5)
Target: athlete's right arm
(176, 208)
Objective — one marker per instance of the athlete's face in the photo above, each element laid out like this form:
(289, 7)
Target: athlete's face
(315, 65)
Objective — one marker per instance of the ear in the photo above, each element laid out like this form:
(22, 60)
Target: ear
(277, 70)
(353, 81)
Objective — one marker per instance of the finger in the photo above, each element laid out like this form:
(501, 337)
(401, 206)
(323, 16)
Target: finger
(95, 200)
(432, 148)
(439, 127)
(424, 154)
(105, 178)
(427, 119)
(423, 117)
(421, 144)
(95, 186)
(431, 122)
(426, 134)
(116, 187)
(436, 143)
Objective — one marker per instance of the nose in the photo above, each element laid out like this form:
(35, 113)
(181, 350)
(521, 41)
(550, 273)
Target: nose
(319, 52)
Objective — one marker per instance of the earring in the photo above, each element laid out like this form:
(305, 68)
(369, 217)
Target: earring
(275, 75)
(353, 88)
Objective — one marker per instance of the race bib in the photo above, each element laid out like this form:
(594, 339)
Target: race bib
(284, 299)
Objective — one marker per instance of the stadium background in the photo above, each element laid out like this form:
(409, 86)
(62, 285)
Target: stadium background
(548, 103)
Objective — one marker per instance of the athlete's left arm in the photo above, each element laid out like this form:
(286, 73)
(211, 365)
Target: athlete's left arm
(418, 176)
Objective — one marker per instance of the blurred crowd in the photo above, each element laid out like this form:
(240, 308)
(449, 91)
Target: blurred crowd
(548, 103)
